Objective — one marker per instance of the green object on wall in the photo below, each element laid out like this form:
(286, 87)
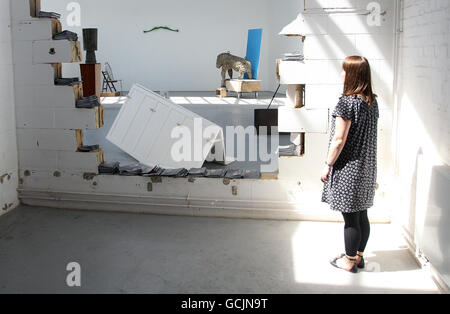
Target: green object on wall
(162, 27)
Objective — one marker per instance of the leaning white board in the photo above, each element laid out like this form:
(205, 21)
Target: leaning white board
(144, 125)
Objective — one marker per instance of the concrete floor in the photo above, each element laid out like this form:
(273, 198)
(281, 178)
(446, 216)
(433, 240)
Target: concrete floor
(128, 253)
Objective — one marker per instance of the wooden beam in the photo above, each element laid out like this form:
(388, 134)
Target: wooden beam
(80, 137)
(35, 7)
(243, 86)
(269, 176)
(100, 116)
(57, 68)
(56, 26)
(116, 94)
(222, 92)
(76, 51)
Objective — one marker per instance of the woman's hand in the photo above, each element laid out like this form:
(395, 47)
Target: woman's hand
(326, 174)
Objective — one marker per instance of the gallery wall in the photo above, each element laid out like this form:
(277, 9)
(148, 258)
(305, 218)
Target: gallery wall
(185, 61)
(165, 60)
(8, 146)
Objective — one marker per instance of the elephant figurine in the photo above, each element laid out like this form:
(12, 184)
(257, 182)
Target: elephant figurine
(229, 62)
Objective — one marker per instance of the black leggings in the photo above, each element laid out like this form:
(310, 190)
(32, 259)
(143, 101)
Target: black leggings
(356, 233)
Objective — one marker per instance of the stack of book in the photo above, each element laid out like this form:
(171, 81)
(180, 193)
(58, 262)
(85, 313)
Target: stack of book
(288, 151)
(53, 15)
(294, 56)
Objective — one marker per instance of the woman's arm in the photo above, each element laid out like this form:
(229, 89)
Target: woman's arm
(339, 140)
(337, 145)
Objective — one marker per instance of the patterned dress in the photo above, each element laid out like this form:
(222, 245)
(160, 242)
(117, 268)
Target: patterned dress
(352, 181)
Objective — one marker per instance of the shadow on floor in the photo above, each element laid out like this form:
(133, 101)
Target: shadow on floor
(390, 261)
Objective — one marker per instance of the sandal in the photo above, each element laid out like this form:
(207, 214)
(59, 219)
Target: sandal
(353, 270)
(362, 263)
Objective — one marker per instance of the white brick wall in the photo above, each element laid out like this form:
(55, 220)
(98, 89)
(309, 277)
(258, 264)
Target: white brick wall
(329, 39)
(8, 146)
(423, 123)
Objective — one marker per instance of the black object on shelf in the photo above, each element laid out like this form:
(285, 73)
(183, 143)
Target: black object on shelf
(90, 43)
(234, 174)
(267, 117)
(51, 15)
(155, 172)
(109, 168)
(87, 102)
(88, 148)
(215, 173)
(252, 174)
(197, 172)
(66, 35)
(175, 173)
(67, 81)
(131, 170)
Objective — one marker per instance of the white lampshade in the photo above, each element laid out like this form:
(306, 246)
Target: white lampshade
(295, 28)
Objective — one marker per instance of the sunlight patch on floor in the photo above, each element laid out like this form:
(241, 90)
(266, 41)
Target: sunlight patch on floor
(390, 266)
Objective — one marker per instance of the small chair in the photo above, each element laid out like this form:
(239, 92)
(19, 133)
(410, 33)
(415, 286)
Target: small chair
(109, 81)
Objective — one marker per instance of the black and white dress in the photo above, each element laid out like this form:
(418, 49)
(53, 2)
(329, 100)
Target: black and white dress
(352, 181)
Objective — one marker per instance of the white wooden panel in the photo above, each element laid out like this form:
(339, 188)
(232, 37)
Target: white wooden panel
(58, 160)
(147, 141)
(143, 115)
(303, 120)
(144, 125)
(62, 51)
(47, 139)
(39, 29)
(161, 149)
(120, 126)
(189, 123)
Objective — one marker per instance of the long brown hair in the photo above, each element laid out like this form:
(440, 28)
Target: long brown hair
(358, 78)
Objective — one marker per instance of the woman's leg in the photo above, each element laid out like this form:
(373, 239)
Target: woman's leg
(352, 233)
(365, 231)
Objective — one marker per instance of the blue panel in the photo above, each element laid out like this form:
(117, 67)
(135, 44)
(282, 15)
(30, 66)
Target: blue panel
(254, 50)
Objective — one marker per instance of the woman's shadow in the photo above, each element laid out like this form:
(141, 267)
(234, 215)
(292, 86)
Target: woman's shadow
(391, 261)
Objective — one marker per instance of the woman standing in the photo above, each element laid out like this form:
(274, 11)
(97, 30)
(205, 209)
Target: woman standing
(351, 168)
